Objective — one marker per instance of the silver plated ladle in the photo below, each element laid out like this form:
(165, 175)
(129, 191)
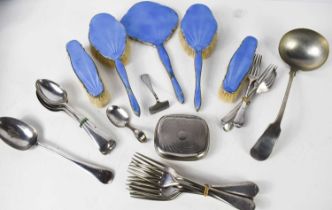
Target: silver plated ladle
(302, 49)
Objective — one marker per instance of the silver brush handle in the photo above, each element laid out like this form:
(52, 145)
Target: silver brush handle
(147, 81)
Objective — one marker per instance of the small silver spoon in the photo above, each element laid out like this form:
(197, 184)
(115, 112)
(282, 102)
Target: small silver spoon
(22, 136)
(54, 98)
(120, 118)
(302, 49)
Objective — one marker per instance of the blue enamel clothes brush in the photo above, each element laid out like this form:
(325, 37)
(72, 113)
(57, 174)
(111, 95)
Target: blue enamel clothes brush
(154, 23)
(198, 36)
(108, 37)
(86, 71)
(238, 69)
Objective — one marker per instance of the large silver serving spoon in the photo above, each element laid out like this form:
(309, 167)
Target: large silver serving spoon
(120, 118)
(302, 49)
(54, 98)
(22, 136)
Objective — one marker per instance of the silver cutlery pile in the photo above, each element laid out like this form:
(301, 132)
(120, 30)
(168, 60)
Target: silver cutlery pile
(259, 82)
(153, 180)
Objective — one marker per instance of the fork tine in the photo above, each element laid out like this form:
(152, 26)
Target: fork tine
(147, 189)
(149, 197)
(146, 170)
(144, 176)
(151, 161)
(265, 73)
(138, 163)
(138, 182)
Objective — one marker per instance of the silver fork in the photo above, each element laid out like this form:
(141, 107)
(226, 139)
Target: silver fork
(227, 121)
(144, 173)
(164, 183)
(253, 76)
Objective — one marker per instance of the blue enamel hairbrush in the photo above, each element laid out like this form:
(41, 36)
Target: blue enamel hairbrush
(108, 38)
(154, 23)
(198, 36)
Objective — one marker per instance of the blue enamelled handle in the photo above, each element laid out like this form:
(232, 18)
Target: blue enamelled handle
(198, 73)
(167, 63)
(123, 75)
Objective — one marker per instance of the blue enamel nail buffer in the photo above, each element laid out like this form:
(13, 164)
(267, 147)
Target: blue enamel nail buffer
(198, 28)
(85, 68)
(108, 36)
(154, 23)
(240, 64)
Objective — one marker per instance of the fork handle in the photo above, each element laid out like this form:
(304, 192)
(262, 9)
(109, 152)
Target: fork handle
(237, 201)
(246, 189)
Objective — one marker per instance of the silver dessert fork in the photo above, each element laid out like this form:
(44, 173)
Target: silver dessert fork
(262, 84)
(253, 77)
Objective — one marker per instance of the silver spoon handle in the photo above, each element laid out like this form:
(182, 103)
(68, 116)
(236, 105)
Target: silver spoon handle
(103, 175)
(139, 134)
(147, 81)
(106, 144)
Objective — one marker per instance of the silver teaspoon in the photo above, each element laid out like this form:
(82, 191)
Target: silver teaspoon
(54, 98)
(120, 118)
(302, 49)
(22, 136)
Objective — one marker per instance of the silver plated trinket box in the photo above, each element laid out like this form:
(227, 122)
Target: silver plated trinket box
(181, 137)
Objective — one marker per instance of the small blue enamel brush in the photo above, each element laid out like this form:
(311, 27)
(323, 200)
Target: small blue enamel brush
(238, 69)
(86, 71)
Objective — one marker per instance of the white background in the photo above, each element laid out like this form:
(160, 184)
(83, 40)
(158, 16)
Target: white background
(33, 35)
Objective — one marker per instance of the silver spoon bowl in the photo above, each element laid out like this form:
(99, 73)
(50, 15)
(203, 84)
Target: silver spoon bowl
(302, 49)
(120, 118)
(54, 98)
(22, 136)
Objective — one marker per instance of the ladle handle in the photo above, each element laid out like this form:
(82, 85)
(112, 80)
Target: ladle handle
(106, 144)
(103, 175)
(292, 74)
(264, 145)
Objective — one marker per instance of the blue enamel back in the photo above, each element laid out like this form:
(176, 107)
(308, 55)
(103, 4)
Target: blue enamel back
(199, 26)
(240, 64)
(108, 36)
(150, 22)
(84, 68)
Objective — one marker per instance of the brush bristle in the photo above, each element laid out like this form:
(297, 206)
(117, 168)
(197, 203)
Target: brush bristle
(102, 100)
(232, 97)
(108, 62)
(206, 52)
